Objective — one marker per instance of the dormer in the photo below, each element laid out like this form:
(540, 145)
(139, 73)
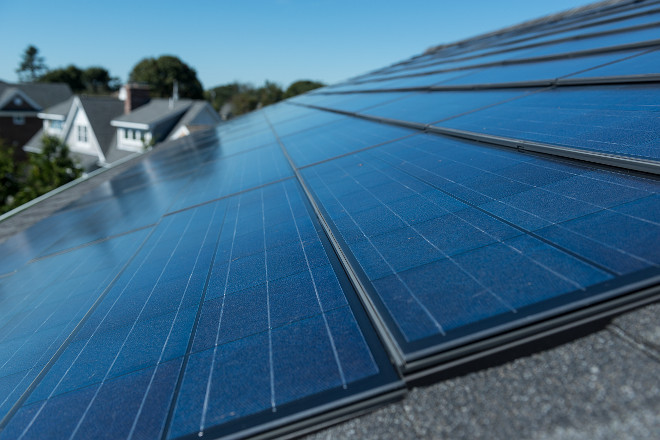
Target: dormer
(54, 118)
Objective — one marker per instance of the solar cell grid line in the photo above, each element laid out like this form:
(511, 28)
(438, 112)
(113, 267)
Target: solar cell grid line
(642, 38)
(257, 301)
(632, 23)
(78, 298)
(339, 138)
(597, 274)
(632, 192)
(617, 119)
(357, 102)
(619, 192)
(233, 174)
(96, 325)
(160, 357)
(537, 32)
(432, 107)
(548, 71)
(549, 42)
(310, 120)
(642, 65)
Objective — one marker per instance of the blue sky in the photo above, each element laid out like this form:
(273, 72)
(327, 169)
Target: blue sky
(250, 40)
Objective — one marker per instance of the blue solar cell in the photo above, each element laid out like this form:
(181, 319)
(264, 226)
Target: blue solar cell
(645, 64)
(602, 41)
(604, 27)
(495, 245)
(361, 101)
(339, 138)
(233, 174)
(540, 71)
(246, 324)
(36, 318)
(610, 119)
(436, 106)
(312, 119)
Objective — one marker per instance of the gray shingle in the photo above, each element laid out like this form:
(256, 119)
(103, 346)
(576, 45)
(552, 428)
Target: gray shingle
(100, 111)
(155, 111)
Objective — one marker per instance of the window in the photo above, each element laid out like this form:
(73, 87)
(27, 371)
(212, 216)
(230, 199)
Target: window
(82, 133)
(19, 120)
(56, 125)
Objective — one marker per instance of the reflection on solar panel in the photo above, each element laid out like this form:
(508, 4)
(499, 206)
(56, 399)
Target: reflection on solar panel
(293, 269)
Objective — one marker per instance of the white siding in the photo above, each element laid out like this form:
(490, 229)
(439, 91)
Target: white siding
(91, 146)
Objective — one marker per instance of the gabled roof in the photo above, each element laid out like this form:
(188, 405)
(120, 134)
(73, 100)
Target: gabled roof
(100, 111)
(57, 111)
(43, 94)
(153, 113)
(200, 113)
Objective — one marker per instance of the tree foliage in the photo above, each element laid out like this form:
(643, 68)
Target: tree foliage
(160, 73)
(300, 87)
(11, 175)
(245, 97)
(44, 172)
(93, 80)
(32, 65)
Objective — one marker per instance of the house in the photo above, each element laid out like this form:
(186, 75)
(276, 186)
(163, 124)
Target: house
(20, 105)
(83, 122)
(484, 251)
(159, 119)
(200, 116)
(102, 130)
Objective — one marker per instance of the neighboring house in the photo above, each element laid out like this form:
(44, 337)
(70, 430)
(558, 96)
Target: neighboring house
(20, 105)
(103, 130)
(149, 124)
(83, 122)
(201, 115)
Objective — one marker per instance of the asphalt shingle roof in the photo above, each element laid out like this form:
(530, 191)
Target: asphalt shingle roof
(44, 94)
(155, 111)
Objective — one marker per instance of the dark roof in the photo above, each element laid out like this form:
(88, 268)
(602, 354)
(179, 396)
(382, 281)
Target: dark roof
(324, 236)
(195, 116)
(59, 109)
(44, 94)
(100, 111)
(155, 111)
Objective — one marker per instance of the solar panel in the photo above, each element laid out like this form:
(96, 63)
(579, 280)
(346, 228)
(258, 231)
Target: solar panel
(302, 262)
(227, 291)
(644, 64)
(435, 106)
(619, 119)
(547, 70)
(425, 206)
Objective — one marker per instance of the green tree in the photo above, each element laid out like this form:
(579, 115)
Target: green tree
(160, 73)
(244, 102)
(32, 65)
(51, 168)
(300, 87)
(244, 97)
(97, 80)
(11, 175)
(94, 80)
(71, 75)
(217, 96)
(270, 93)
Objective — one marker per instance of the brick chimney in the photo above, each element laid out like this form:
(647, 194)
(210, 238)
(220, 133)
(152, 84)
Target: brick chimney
(136, 95)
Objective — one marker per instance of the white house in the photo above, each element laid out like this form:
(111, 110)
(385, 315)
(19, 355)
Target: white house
(83, 122)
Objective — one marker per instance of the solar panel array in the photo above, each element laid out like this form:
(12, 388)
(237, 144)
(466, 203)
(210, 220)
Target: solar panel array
(285, 271)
